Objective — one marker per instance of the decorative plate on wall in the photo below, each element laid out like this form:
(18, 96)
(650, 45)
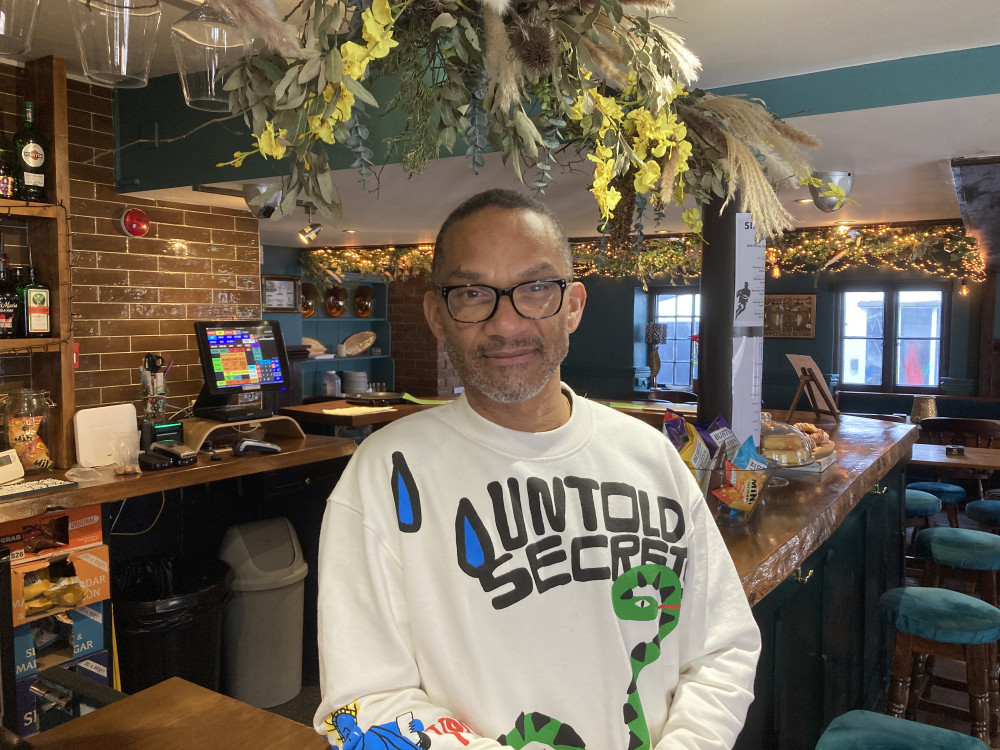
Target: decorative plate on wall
(359, 343)
(364, 301)
(310, 300)
(336, 301)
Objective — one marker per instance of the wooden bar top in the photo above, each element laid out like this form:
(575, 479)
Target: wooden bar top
(295, 451)
(338, 413)
(794, 521)
(179, 715)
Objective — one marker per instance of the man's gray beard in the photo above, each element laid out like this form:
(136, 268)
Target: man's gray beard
(509, 388)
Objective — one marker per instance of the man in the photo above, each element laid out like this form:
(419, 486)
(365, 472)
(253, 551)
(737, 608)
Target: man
(523, 565)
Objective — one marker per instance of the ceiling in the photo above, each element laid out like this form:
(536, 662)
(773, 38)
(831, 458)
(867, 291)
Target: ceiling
(900, 155)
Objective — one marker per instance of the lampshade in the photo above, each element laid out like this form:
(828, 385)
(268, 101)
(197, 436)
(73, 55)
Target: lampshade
(207, 43)
(116, 39)
(17, 26)
(656, 333)
(923, 407)
(828, 203)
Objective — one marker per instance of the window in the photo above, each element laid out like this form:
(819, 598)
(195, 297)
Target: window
(892, 336)
(680, 312)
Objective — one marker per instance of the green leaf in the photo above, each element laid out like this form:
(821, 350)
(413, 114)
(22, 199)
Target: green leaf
(443, 21)
(290, 75)
(334, 68)
(360, 92)
(310, 69)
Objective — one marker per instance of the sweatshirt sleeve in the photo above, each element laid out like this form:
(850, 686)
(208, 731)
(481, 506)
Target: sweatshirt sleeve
(369, 679)
(721, 643)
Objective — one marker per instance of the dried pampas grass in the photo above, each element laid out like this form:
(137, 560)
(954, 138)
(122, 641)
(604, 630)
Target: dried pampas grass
(500, 7)
(503, 70)
(757, 196)
(262, 16)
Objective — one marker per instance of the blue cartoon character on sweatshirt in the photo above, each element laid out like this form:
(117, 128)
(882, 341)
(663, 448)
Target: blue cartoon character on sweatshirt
(406, 733)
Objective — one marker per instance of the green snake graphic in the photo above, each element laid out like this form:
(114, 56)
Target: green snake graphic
(629, 604)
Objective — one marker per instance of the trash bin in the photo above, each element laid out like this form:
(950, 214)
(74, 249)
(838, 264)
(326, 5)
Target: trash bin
(262, 624)
(168, 621)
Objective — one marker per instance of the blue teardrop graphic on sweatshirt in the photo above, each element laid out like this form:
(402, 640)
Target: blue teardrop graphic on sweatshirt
(406, 495)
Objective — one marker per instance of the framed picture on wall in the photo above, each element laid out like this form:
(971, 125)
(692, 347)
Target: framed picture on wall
(790, 316)
(281, 293)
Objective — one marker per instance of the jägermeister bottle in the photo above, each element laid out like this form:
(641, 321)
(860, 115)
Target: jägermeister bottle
(29, 158)
(8, 303)
(33, 297)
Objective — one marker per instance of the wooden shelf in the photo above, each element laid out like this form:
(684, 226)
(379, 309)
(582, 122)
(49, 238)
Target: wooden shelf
(28, 346)
(25, 210)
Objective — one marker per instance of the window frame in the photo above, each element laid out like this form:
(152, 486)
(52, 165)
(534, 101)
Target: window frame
(651, 296)
(890, 333)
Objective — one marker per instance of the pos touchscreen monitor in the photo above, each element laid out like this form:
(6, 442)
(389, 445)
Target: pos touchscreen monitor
(238, 356)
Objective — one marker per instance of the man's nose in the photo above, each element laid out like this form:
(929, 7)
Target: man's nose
(506, 317)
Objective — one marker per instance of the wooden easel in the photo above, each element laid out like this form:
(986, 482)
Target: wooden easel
(816, 391)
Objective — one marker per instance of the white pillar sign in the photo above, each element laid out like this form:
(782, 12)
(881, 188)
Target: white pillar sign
(748, 301)
(748, 345)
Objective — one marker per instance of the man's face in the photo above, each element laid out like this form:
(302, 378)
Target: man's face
(508, 358)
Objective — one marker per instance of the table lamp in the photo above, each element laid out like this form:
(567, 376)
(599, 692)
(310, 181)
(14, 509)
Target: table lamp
(656, 334)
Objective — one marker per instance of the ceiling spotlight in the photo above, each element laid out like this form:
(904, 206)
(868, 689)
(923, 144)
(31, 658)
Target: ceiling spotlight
(309, 232)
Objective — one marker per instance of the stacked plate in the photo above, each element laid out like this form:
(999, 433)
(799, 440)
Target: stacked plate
(354, 381)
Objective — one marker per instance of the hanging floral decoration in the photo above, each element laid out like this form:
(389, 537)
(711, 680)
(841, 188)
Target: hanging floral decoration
(584, 79)
(943, 250)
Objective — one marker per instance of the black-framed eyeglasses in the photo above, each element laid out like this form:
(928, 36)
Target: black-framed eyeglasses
(475, 303)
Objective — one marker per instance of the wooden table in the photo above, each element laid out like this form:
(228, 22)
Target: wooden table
(925, 454)
(326, 413)
(179, 715)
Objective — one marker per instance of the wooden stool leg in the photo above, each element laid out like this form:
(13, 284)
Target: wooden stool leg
(977, 667)
(992, 655)
(922, 681)
(951, 509)
(902, 663)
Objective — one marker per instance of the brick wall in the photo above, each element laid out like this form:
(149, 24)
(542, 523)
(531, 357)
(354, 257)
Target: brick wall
(422, 364)
(136, 295)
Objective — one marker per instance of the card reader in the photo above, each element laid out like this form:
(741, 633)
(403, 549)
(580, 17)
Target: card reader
(178, 453)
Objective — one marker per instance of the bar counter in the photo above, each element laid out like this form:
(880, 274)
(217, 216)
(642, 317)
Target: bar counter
(794, 521)
(110, 487)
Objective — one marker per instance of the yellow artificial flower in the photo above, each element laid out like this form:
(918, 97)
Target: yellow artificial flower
(683, 154)
(607, 199)
(692, 219)
(270, 143)
(355, 59)
(322, 129)
(344, 104)
(647, 177)
(381, 13)
(377, 30)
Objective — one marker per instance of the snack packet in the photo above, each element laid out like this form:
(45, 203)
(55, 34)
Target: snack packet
(741, 488)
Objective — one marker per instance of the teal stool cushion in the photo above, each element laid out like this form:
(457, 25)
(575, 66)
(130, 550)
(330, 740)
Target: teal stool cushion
(967, 549)
(920, 504)
(984, 511)
(946, 493)
(864, 730)
(940, 615)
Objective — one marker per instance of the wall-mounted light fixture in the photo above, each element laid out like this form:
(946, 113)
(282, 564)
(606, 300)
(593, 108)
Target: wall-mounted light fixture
(309, 232)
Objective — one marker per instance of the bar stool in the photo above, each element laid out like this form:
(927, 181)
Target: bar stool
(939, 622)
(920, 508)
(859, 730)
(965, 554)
(950, 496)
(986, 513)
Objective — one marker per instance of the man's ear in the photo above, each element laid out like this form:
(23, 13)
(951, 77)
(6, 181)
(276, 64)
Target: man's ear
(432, 312)
(576, 299)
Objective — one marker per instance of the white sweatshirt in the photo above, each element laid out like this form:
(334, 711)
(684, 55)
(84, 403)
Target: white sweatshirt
(481, 587)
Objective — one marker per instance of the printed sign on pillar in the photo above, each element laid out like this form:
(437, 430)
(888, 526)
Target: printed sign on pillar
(748, 307)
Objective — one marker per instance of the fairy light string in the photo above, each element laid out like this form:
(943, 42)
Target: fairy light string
(943, 250)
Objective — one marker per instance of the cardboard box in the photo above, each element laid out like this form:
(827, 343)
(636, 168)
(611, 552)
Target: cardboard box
(90, 565)
(52, 533)
(48, 641)
(93, 666)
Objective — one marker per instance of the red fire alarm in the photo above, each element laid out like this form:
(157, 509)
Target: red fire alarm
(135, 223)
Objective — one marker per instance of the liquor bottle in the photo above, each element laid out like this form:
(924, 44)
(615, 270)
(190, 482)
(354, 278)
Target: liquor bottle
(34, 320)
(8, 182)
(8, 303)
(29, 158)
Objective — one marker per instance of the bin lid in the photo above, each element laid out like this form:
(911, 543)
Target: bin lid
(263, 555)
